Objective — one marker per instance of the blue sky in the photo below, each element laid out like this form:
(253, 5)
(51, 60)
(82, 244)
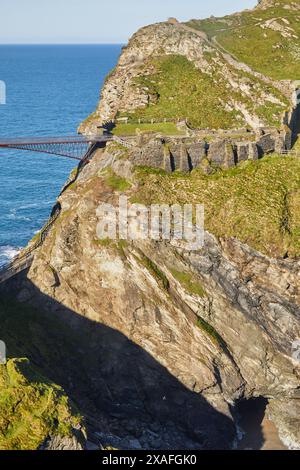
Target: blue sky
(98, 21)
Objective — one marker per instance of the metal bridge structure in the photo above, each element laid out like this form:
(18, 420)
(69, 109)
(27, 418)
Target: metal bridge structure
(79, 148)
(74, 147)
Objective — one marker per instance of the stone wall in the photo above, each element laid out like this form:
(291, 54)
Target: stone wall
(186, 154)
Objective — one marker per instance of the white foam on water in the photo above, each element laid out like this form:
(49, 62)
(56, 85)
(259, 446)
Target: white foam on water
(7, 253)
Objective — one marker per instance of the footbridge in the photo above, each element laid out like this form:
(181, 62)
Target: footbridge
(77, 147)
(74, 147)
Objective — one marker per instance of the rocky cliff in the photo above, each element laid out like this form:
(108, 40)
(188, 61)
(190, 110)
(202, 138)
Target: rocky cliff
(156, 344)
(172, 339)
(286, 4)
(201, 71)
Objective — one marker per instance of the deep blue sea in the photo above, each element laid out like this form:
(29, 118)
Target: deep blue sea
(50, 90)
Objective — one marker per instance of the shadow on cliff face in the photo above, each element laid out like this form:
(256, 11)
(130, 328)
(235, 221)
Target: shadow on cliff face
(113, 382)
(296, 125)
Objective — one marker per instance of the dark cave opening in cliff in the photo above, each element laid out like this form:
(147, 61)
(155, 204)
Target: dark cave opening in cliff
(250, 415)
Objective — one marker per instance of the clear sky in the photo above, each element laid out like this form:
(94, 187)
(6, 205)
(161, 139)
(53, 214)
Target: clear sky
(98, 21)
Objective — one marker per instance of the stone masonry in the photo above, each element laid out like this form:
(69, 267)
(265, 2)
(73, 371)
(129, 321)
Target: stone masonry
(186, 154)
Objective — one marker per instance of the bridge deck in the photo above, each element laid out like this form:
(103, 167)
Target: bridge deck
(45, 140)
(75, 147)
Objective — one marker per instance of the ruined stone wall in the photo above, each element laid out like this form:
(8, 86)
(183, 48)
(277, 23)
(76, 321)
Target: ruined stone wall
(184, 154)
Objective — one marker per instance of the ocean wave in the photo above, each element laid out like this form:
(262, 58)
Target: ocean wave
(35, 205)
(7, 253)
(14, 216)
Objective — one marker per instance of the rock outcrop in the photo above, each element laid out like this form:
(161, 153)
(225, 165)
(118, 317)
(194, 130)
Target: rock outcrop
(287, 4)
(285, 414)
(162, 342)
(162, 349)
(246, 91)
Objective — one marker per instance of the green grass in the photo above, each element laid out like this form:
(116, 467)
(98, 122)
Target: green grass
(121, 247)
(36, 237)
(184, 91)
(105, 243)
(297, 144)
(188, 282)
(257, 202)
(117, 183)
(73, 172)
(119, 149)
(166, 128)
(211, 332)
(265, 50)
(160, 277)
(31, 407)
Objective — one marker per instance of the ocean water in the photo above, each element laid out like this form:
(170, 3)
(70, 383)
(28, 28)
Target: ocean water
(49, 91)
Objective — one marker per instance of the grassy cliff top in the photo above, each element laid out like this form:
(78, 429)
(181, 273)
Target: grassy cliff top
(206, 100)
(256, 202)
(207, 71)
(267, 39)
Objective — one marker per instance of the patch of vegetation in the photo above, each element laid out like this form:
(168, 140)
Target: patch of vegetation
(160, 277)
(72, 186)
(180, 88)
(148, 170)
(118, 148)
(31, 407)
(73, 172)
(121, 246)
(117, 182)
(247, 37)
(212, 333)
(92, 118)
(36, 237)
(105, 243)
(251, 201)
(166, 128)
(188, 282)
(297, 143)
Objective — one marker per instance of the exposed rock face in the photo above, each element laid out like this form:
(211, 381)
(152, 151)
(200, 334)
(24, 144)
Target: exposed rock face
(62, 443)
(285, 414)
(163, 353)
(287, 4)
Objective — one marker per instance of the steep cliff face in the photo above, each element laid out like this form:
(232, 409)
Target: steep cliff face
(170, 336)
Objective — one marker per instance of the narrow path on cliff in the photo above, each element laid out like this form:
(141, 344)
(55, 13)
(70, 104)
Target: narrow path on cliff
(229, 56)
